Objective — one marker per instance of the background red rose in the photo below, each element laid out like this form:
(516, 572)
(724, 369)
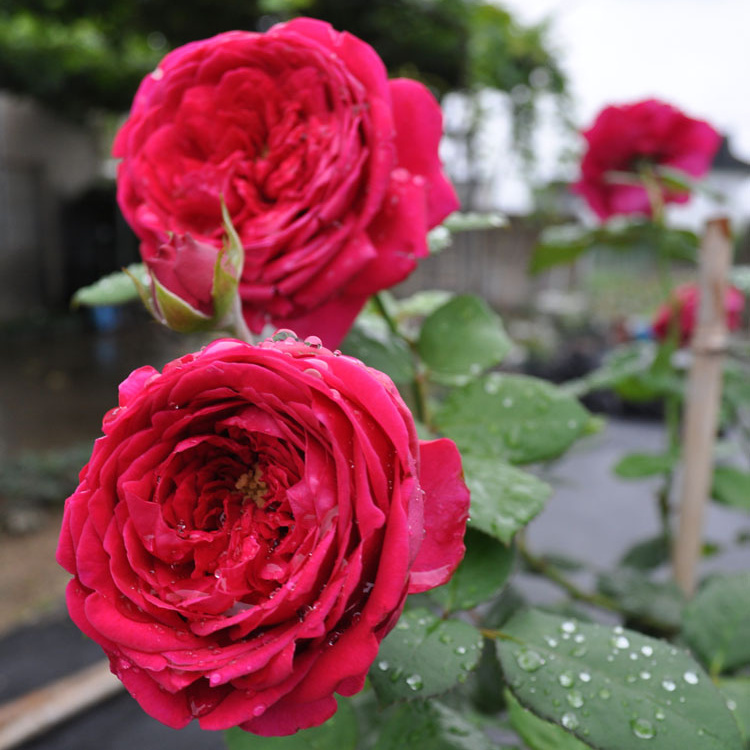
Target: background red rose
(683, 309)
(329, 170)
(624, 138)
(247, 530)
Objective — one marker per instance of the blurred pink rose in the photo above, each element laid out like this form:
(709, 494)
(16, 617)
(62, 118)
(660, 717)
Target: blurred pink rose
(683, 310)
(330, 171)
(248, 528)
(648, 133)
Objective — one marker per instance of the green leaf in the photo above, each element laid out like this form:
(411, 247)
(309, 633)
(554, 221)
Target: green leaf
(514, 417)
(613, 688)
(503, 498)
(340, 732)
(641, 465)
(717, 622)
(731, 486)
(114, 289)
(642, 599)
(424, 656)
(483, 571)
(462, 339)
(650, 553)
(737, 693)
(537, 733)
(429, 725)
(379, 348)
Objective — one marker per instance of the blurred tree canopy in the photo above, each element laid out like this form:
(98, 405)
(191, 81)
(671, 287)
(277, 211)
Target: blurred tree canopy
(79, 56)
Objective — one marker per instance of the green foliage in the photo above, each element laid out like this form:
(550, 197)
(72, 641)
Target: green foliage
(737, 692)
(513, 417)
(424, 656)
(340, 732)
(613, 688)
(647, 554)
(642, 465)
(503, 498)
(114, 289)
(537, 733)
(717, 622)
(432, 725)
(483, 571)
(462, 338)
(561, 245)
(731, 486)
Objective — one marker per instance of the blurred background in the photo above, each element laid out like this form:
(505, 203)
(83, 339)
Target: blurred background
(517, 82)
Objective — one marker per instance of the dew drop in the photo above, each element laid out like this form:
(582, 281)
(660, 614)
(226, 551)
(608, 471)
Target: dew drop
(605, 694)
(383, 666)
(575, 698)
(643, 729)
(551, 642)
(620, 641)
(529, 660)
(415, 682)
(579, 638)
(569, 720)
(691, 678)
(507, 402)
(668, 685)
(660, 715)
(647, 650)
(644, 675)
(566, 679)
(259, 710)
(584, 677)
(568, 627)
(461, 650)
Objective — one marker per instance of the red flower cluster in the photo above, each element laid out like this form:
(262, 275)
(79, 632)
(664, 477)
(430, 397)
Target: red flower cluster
(330, 172)
(247, 530)
(648, 134)
(682, 312)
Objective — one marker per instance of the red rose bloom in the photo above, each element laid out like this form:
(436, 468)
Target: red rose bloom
(625, 138)
(247, 530)
(330, 171)
(683, 310)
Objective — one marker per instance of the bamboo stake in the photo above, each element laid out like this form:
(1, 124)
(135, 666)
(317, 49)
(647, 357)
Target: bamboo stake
(702, 400)
(40, 710)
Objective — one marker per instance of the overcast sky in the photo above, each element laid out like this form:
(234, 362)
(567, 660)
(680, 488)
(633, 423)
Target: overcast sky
(693, 53)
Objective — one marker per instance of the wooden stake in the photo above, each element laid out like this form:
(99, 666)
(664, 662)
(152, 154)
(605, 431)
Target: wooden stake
(703, 396)
(40, 710)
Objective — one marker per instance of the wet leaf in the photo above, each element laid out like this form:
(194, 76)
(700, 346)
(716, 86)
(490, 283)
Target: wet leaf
(430, 725)
(463, 338)
(503, 498)
(737, 692)
(380, 349)
(613, 688)
(717, 622)
(537, 733)
(514, 417)
(424, 656)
